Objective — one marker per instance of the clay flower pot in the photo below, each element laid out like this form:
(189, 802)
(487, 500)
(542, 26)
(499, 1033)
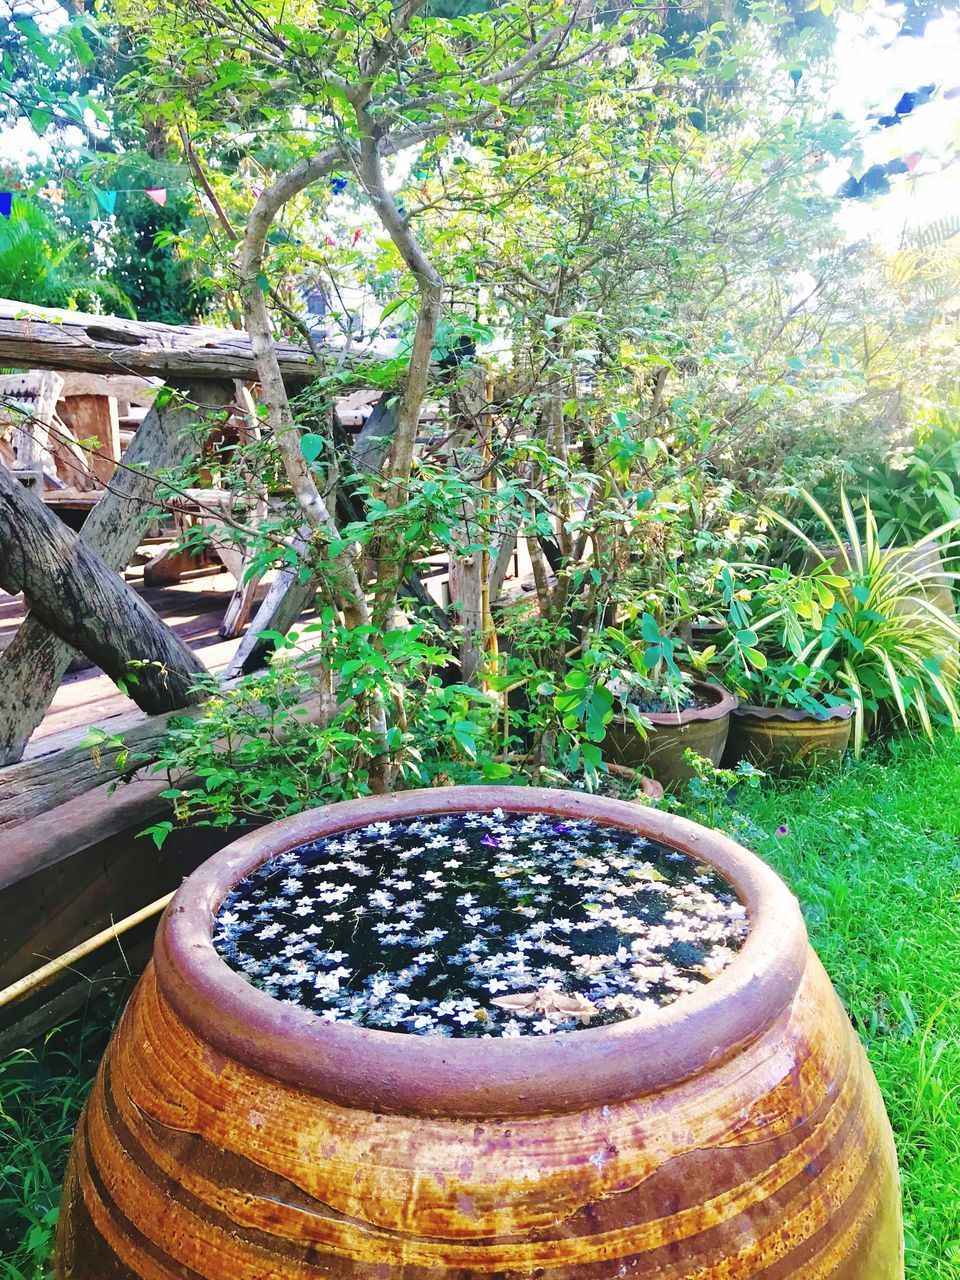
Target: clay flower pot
(702, 729)
(737, 1132)
(784, 740)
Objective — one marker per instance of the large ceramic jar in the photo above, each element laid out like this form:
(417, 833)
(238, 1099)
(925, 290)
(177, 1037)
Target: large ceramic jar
(735, 1133)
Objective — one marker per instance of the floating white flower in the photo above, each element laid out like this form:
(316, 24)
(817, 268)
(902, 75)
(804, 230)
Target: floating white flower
(553, 923)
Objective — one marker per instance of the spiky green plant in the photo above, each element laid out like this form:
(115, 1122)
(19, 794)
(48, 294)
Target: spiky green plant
(884, 636)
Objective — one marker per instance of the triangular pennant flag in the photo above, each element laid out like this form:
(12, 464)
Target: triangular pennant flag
(107, 200)
(6, 203)
(158, 195)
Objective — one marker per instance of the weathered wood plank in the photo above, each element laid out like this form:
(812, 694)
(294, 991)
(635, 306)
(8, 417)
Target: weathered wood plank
(169, 565)
(52, 836)
(57, 338)
(123, 387)
(36, 660)
(95, 418)
(87, 604)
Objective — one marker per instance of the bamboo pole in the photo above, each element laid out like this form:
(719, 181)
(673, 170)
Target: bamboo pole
(43, 976)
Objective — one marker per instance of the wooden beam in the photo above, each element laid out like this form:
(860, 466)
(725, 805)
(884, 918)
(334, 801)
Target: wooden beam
(123, 387)
(85, 602)
(57, 338)
(288, 596)
(240, 607)
(36, 660)
(52, 836)
(169, 565)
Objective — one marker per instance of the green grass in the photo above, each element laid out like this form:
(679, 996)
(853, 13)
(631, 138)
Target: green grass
(42, 1089)
(873, 853)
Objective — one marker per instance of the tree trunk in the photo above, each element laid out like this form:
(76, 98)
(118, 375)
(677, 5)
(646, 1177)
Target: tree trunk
(87, 604)
(36, 660)
(290, 594)
(466, 566)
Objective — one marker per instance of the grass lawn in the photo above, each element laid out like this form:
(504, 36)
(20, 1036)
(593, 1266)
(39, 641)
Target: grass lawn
(873, 853)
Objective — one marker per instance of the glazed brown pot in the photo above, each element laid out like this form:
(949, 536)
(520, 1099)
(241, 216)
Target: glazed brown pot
(660, 753)
(736, 1133)
(783, 740)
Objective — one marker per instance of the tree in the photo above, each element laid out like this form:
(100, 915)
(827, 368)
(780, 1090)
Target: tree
(41, 262)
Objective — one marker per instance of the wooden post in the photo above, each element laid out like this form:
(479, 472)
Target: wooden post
(85, 602)
(30, 400)
(36, 660)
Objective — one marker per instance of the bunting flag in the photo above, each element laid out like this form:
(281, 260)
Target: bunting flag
(157, 194)
(107, 200)
(6, 203)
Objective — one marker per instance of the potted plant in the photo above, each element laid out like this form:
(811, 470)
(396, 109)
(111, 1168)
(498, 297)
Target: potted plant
(788, 717)
(875, 625)
(659, 710)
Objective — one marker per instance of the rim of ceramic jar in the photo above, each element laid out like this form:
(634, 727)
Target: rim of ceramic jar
(723, 703)
(473, 1077)
(750, 710)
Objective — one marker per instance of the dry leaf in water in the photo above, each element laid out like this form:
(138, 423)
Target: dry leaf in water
(553, 1003)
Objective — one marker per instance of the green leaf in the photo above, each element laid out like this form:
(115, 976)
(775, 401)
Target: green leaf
(311, 446)
(649, 629)
(495, 771)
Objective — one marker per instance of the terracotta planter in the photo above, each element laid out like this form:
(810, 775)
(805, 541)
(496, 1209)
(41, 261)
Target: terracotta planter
(736, 1133)
(783, 740)
(702, 729)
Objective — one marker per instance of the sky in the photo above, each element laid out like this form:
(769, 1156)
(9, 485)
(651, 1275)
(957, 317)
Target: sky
(874, 67)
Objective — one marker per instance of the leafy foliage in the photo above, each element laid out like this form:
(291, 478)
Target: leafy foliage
(42, 1088)
(40, 263)
(885, 636)
(871, 852)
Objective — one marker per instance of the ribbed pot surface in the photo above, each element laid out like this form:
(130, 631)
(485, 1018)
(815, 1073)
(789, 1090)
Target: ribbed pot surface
(788, 742)
(736, 1133)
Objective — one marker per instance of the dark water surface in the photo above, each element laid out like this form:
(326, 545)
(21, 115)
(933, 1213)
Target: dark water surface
(481, 924)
